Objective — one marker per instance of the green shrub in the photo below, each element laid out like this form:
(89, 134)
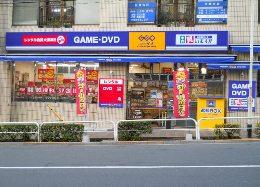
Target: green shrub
(20, 133)
(232, 133)
(220, 131)
(132, 131)
(257, 130)
(62, 132)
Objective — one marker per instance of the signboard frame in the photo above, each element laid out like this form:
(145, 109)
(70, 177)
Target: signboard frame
(111, 92)
(211, 12)
(238, 93)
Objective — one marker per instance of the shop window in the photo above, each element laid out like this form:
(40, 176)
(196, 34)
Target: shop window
(258, 83)
(151, 94)
(52, 82)
(176, 13)
(56, 13)
(258, 11)
(87, 12)
(163, 12)
(25, 12)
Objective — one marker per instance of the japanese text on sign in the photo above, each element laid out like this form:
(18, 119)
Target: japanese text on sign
(111, 92)
(81, 92)
(181, 93)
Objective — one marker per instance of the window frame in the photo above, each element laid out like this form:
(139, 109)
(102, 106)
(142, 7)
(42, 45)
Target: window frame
(37, 16)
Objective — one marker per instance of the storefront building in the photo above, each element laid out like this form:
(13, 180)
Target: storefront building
(129, 51)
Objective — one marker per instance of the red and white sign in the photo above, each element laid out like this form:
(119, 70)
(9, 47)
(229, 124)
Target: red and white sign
(42, 40)
(81, 91)
(111, 92)
(181, 93)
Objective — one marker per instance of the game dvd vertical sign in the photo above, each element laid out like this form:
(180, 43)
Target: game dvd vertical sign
(81, 91)
(238, 94)
(181, 93)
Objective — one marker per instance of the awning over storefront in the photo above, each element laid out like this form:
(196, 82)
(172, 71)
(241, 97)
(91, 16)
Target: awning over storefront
(238, 65)
(123, 58)
(244, 48)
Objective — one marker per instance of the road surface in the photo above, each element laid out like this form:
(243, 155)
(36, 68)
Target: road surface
(197, 164)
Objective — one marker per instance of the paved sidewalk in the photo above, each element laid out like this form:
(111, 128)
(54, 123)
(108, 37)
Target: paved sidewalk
(111, 142)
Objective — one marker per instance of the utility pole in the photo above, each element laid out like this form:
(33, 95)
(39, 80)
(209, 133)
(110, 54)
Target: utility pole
(250, 75)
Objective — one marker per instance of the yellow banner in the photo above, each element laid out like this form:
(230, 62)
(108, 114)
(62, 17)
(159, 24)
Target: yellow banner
(210, 108)
(147, 41)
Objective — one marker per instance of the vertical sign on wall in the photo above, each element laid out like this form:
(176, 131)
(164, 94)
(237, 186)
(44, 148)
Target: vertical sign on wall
(210, 108)
(213, 11)
(142, 11)
(111, 92)
(238, 93)
(81, 91)
(181, 93)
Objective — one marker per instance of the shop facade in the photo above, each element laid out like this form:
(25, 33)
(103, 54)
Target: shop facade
(144, 61)
(38, 65)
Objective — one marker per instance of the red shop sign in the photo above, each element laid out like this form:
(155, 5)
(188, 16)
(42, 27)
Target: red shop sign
(111, 92)
(181, 93)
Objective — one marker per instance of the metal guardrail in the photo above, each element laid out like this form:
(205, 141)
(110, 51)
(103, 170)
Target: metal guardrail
(115, 124)
(23, 123)
(218, 118)
(156, 120)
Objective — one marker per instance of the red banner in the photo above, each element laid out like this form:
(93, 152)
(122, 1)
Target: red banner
(181, 93)
(111, 92)
(42, 40)
(81, 91)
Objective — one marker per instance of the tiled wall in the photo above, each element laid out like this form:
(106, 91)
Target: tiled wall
(113, 17)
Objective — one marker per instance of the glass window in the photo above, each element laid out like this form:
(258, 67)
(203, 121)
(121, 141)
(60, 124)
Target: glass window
(176, 12)
(87, 12)
(25, 12)
(52, 82)
(258, 11)
(150, 95)
(56, 13)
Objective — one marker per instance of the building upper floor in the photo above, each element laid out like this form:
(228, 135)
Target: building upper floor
(96, 15)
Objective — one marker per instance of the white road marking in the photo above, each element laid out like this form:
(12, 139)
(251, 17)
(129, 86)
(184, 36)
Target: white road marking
(129, 167)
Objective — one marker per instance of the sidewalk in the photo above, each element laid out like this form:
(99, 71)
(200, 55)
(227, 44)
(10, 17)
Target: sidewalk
(154, 142)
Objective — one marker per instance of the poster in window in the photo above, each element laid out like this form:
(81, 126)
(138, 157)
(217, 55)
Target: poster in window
(92, 76)
(46, 74)
(198, 89)
(181, 93)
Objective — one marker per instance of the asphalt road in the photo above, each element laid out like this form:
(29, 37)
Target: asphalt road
(64, 165)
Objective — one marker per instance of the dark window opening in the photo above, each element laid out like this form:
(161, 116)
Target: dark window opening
(176, 13)
(56, 14)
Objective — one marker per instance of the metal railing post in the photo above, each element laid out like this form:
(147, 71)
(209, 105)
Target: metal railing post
(39, 132)
(116, 131)
(197, 131)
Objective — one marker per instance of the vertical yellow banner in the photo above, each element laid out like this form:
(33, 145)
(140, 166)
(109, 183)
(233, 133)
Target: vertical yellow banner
(210, 108)
(147, 41)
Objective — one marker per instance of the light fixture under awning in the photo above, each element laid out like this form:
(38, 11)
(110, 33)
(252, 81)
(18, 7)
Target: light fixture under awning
(233, 66)
(124, 58)
(244, 48)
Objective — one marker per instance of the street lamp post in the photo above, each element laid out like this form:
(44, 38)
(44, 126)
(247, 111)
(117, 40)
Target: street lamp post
(250, 75)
